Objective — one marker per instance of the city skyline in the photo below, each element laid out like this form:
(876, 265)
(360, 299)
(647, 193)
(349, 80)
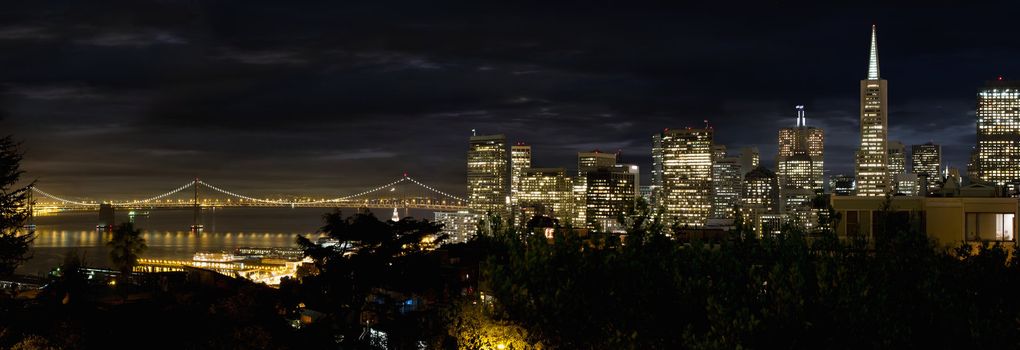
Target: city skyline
(295, 114)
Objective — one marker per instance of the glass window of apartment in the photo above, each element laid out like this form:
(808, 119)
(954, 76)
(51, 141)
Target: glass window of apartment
(996, 227)
(852, 223)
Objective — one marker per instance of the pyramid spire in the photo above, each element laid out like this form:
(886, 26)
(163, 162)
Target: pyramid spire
(873, 57)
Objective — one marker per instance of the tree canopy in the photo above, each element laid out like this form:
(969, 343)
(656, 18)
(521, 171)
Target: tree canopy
(15, 211)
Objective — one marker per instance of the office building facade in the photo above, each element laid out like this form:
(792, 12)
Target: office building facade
(926, 162)
(488, 175)
(998, 133)
(686, 175)
(520, 159)
(872, 157)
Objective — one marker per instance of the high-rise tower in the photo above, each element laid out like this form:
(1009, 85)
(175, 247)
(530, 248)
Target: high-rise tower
(488, 175)
(800, 158)
(686, 175)
(520, 159)
(872, 157)
(926, 162)
(897, 154)
(799, 170)
(998, 133)
(727, 181)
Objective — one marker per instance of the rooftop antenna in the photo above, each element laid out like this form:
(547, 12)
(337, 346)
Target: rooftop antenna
(801, 119)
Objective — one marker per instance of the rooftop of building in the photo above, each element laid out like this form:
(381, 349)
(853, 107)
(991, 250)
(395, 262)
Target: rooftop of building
(488, 137)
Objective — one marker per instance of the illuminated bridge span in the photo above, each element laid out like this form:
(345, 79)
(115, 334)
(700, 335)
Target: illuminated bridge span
(378, 197)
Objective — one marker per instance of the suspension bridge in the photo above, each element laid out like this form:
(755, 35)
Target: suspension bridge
(189, 195)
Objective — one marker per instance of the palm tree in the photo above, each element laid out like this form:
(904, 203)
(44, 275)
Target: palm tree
(125, 246)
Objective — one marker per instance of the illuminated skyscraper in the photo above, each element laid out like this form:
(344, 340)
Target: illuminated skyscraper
(897, 154)
(687, 175)
(872, 157)
(593, 160)
(761, 189)
(520, 159)
(998, 132)
(926, 162)
(588, 161)
(759, 200)
(656, 187)
(799, 166)
(803, 138)
(800, 159)
(488, 175)
(609, 192)
(545, 191)
(727, 182)
(657, 160)
(461, 226)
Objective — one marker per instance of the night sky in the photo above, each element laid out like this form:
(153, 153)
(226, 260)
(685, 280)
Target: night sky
(137, 97)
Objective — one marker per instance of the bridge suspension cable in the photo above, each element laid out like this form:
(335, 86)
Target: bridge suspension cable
(157, 197)
(64, 200)
(338, 199)
(241, 196)
(434, 190)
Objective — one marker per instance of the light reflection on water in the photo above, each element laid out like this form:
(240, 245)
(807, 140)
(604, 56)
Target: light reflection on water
(168, 236)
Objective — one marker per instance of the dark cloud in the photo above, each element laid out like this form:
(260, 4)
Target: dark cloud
(124, 97)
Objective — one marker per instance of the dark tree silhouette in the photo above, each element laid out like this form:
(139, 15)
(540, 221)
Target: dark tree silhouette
(369, 255)
(71, 283)
(785, 291)
(125, 246)
(14, 209)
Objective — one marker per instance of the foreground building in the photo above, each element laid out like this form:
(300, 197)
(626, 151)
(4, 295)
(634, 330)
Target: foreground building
(969, 218)
(488, 175)
(872, 158)
(998, 133)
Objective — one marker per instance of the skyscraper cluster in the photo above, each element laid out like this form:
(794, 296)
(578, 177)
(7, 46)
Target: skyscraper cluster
(697, 183)
(513, 190)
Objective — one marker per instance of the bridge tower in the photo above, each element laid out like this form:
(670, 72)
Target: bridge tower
(30, 225)
(196, 225)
